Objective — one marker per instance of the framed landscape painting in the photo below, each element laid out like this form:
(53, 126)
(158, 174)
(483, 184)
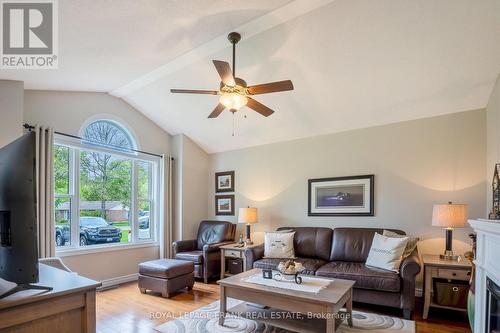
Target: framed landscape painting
(341, 196)
(224, 204)
(224, 181)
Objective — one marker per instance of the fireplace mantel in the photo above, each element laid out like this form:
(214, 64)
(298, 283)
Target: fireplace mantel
(487, 265)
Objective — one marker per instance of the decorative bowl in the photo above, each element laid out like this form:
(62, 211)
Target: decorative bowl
(279, 276)
(289, 271)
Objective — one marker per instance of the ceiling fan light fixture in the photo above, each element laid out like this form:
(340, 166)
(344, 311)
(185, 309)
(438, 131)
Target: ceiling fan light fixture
(234, 92)
(233, 100)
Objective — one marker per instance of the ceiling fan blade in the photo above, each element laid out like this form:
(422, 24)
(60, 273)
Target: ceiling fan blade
(217, 111)
(188, 91)
(225, 72)
(259, 107)
(270, 87)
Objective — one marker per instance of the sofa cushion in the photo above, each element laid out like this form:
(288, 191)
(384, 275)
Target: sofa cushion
(386, 252)
(279, 245)
(166, 268)
(310, 265)
(353, 244)
(194, 256)
(311, 242)
(365, 277)
(410, 246)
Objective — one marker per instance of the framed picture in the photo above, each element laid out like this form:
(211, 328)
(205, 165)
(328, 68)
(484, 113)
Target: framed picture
(224, 204)
(341, 196)
(224, 181)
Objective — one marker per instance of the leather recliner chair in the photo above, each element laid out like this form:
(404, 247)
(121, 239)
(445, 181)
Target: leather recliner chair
(204, 251)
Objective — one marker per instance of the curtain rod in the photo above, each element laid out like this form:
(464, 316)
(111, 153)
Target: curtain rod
(31, 127)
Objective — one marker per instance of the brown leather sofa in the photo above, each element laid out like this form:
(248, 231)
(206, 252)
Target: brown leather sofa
(341, 253)
(204, 251)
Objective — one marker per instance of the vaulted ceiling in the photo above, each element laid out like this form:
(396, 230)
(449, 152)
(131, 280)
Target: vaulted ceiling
(353, 63)
(104, 45)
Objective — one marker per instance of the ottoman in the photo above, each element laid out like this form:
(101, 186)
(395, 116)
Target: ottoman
(166, 276)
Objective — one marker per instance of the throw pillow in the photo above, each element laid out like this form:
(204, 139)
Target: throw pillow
(410, 246)
(279, 245)
(386, 252)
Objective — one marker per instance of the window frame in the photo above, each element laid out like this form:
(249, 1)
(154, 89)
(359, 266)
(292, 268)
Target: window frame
(70, 194)
(75, 147)
(128, 135)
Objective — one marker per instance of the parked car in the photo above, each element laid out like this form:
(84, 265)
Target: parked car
(95, 230)
(144, 231)
(144, 222)
(62, 234)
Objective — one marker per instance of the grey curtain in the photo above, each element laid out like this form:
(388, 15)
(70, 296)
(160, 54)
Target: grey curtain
(166, 213)
(45, 191)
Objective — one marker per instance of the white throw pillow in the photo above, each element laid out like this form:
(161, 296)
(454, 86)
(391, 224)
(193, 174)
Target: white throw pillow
(410, 246)
(386, 252)
(279, 245)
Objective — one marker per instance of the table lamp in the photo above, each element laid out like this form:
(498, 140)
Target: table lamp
(249, 216)
(449, 216)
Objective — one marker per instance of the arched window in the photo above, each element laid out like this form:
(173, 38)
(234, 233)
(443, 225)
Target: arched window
(106, 191)
(109, 133)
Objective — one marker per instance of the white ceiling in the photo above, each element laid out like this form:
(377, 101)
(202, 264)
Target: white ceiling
(106, 44)
(354, 64)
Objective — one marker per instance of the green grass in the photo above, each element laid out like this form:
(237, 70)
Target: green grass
(124, 236)
(121, 224)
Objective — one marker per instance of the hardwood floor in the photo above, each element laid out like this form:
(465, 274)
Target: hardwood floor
(124, 309)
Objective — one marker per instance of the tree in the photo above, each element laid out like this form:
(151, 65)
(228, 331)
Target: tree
(61, 170)
(61, 178)
(104, 177)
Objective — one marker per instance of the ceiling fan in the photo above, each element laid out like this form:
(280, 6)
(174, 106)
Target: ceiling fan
(234, 92)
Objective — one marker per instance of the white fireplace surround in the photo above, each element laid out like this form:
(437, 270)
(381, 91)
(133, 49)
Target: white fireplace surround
(487, 265)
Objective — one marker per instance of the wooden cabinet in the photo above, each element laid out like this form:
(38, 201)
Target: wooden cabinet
(68, 308)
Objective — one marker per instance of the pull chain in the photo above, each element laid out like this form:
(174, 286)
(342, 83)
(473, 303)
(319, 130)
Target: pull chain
(233, 122)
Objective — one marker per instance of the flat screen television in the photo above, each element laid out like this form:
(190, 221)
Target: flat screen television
(18, 227)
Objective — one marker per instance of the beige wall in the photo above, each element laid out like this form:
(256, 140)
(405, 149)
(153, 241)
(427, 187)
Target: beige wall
(11, 110)
(190, 186)
(106, 266)
(416, 164)
(177, 147)
(67, 112)
(493, 139)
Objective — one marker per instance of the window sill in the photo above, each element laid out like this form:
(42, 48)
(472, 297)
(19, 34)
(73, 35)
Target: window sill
(103, 248)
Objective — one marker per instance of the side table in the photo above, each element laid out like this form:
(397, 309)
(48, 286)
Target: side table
(435, 267)
(233, 251)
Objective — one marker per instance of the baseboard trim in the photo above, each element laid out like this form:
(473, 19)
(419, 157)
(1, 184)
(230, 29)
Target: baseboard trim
(108, 283)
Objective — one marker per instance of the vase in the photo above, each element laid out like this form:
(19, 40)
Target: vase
(471, 255)
(470, 309)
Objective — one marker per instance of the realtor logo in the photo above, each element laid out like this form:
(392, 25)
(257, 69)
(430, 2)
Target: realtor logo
(29, 34)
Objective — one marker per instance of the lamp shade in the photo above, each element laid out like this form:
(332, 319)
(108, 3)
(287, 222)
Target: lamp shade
(247, 215)
(449, 215)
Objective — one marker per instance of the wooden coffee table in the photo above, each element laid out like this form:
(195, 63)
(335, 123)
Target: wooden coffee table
(321, 311)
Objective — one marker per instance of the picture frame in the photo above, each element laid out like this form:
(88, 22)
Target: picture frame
(224, 181)
(341, 196)
(224, 204)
